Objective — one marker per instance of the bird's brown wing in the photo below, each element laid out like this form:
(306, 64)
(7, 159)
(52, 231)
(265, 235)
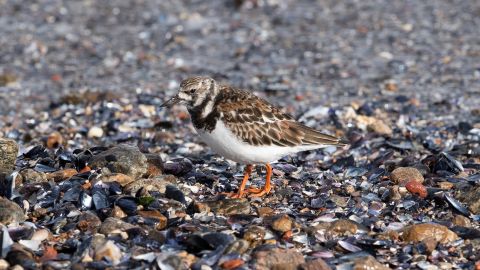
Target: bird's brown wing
(257, 122)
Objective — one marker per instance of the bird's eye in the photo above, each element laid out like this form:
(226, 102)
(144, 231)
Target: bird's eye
(192, 91)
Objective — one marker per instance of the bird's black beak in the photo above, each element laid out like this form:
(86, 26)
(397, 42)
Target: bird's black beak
(174, 100)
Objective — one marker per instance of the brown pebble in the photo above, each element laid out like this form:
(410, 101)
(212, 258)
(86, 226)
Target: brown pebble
(419, 232)
(282, 223)
(264, 211)
(54, 140)
(61, 175)
(445, 185)
(402, 175)
(462, 221)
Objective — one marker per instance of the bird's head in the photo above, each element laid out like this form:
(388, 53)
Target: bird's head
(194, 91)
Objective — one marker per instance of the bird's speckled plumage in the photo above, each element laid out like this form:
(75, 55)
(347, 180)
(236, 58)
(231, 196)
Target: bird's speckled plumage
(234, 121)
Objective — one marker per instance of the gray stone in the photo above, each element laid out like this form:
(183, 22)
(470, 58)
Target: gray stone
(112, 224)
(124, 158)
(10, 212)
(158, 184)
(8, 155)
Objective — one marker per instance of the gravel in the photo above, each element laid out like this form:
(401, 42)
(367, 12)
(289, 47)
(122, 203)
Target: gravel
(105, 178)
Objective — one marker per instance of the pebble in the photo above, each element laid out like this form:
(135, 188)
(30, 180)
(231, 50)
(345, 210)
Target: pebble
(4, 264)
(40, 235)
(462, 221)
(155, 165)
(316, 264)
(401, 175)
(343, 227)
(61, 175)
(368, 263)
(471, 198)
(445, 185)
(10, 212)
(109, 251)
(373, 124)
(95, 132)
(254, 235)
(162, 220)
(89, 222)
(120, 178)
(54, 140)
(282, 223)
(265, 211)
(420, 232)
(224, 207)
(158, 184)
(8, 155)
(18, 255)
(277, 258)
(30, 176)
(123, 158)
(111, 225)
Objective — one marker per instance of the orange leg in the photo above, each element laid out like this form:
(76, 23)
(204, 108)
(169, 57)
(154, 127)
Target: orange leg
(266, 189)
(241, 189)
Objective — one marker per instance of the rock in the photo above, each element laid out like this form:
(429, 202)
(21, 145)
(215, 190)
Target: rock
(158, 184)
(277, 258)
(120, 178)
(379, 127)
(416, 188)
(172, 192)
(420, 232)
(178, 168)
(113, 225)
(155, 235)
(124, 158)
(54, 140)
(344, 227)
(4, 264)
(445, 185)
(394, 194)
(339, 200)
(232, 264)
(117, 212)
(282, 223)
(40, 235)
(89, 221)
(155, 165)
(95, 132)
(254, 235)
(240, 246)
(30, 176)
(8, 155)
(109, 251)
(368, 263)
(402, 175)
(10, 212)
(472, 199)
(373, 124)
(462, 221)
(18, 255)
(156, 215)
(430, 244)
(317, 264)
(265, 211)
(224, 207)
(61, 175)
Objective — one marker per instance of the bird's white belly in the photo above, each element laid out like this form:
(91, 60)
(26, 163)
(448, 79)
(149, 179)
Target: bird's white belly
(225, 143)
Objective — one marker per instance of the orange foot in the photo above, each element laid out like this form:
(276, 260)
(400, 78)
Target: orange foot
(257, 192)
(253, 192)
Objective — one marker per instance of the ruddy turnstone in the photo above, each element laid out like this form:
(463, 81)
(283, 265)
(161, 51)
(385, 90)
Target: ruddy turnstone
(245, 128)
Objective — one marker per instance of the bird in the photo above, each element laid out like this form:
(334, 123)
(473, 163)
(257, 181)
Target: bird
(245, 128)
